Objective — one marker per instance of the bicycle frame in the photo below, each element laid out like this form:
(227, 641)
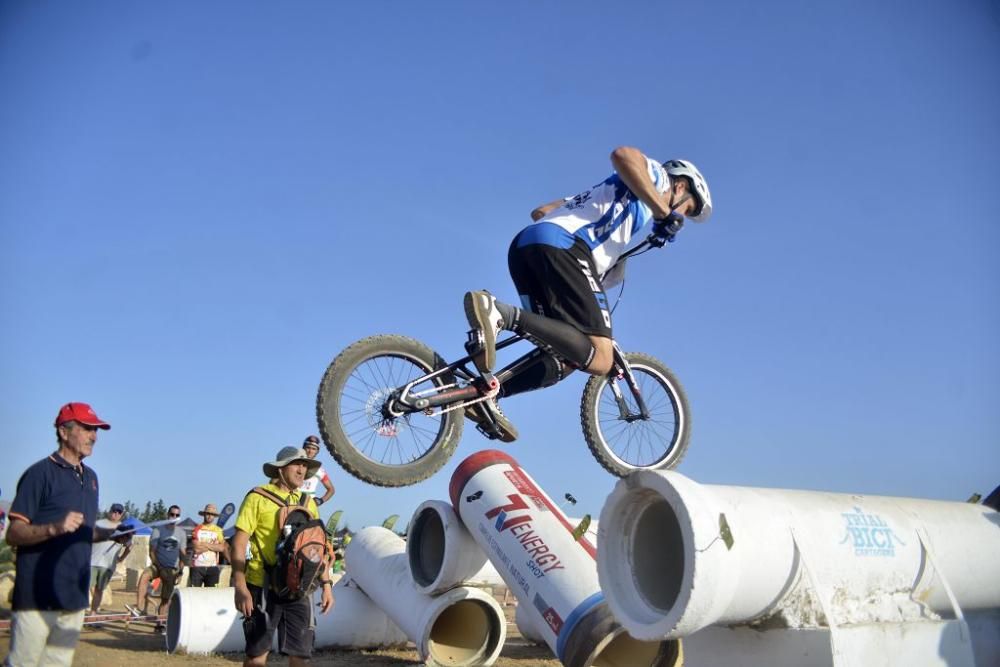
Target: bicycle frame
(403, 401)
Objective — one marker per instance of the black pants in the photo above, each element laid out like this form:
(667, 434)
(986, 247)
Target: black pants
(204, 576)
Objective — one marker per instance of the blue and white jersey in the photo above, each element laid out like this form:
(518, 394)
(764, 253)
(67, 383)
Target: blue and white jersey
(607, 217)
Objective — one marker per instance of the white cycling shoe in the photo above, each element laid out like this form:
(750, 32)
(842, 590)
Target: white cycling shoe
(481, 311)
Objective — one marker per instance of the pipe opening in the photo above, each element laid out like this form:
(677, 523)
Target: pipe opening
(425, 550)
(464, 634)
(174, 624)
(657, 555)
(627, 651)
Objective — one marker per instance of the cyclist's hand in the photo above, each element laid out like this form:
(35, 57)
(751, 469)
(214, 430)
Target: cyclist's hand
(666, 228)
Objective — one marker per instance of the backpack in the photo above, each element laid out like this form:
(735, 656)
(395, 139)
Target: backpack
(303, 551)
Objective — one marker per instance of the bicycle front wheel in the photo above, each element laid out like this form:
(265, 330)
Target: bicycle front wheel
(623, 441)
(381, 449)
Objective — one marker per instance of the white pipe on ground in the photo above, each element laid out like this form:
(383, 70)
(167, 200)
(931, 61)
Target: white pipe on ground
(526, 626)
(462, 626)
(552, 574)
(204, 620)
(676, 556)
(441, 553)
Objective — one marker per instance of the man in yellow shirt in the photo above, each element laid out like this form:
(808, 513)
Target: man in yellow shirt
(256, 526)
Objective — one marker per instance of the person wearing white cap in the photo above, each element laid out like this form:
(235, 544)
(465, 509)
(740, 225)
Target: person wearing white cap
(257, 525)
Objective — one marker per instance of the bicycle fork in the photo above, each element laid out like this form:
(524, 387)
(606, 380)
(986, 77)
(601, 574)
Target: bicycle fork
(620, 370)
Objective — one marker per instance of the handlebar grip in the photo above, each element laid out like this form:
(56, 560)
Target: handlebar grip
(668, 227)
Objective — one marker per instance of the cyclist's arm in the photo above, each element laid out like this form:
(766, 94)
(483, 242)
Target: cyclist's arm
(545, 209)
(630, 164)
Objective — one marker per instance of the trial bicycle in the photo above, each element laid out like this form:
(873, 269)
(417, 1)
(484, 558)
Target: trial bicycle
(391, 410)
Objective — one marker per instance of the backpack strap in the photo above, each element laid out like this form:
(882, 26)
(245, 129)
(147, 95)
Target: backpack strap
(273, 497)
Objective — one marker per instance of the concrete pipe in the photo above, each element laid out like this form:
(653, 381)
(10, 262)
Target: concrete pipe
(204, 620)
(462, 626)
(526, 626)
(441, 553)
(552, 574)
(676, 556)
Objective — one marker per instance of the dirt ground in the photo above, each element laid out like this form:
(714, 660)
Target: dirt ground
(114, 644)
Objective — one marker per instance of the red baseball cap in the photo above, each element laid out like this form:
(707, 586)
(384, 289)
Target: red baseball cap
(80, 412)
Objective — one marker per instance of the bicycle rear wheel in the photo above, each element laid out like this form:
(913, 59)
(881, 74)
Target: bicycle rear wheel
(381, 450)
(623, 445)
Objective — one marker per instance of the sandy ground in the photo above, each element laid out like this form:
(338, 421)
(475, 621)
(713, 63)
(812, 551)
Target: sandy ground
(115, 644)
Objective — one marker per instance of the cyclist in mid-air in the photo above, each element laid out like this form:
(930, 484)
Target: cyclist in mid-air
(562, 263)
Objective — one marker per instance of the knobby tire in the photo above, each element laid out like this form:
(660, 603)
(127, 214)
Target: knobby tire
(348, 403)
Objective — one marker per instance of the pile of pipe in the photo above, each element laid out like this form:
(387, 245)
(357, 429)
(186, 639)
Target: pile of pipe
(498, 512)
(755, 576)
(744, 576)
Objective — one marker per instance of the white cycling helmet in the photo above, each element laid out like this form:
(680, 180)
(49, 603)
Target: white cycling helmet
(701, 193)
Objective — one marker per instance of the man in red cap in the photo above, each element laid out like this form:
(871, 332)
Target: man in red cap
(53, 519)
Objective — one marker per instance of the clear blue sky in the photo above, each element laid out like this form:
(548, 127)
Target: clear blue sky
(201, 204)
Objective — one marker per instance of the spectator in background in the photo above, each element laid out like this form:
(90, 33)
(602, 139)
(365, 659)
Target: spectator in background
(105, 556)
(167, 548)
(53, 525)
(208, 543)
(311, 485)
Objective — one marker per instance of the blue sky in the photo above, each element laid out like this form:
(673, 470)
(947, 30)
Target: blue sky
(201, 204)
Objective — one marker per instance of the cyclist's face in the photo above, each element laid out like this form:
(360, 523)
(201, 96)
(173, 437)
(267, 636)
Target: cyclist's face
(681, 200)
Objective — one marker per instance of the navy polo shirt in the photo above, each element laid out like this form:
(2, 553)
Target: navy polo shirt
(55, 574)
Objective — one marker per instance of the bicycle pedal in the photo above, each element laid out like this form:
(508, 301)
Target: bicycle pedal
(489, 433)
(475, 342)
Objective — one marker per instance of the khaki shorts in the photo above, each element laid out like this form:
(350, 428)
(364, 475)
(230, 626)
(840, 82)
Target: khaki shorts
(168, 576)
(44, 637)
(100, 577)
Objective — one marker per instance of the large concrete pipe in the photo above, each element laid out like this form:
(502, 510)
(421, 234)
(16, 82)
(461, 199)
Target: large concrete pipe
(462, 626)
(552, 574)
(205, 620)
(676, 556)
(442, 554)
(526, 626)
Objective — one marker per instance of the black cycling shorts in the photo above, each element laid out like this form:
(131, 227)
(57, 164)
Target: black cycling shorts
(561, 284)
(292, 620)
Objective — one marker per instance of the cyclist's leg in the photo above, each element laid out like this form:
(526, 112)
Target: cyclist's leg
(565, 309)
(536, 370)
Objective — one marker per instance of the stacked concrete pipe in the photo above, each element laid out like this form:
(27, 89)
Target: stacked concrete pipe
(441, 554)
(205, 620)
(462, 626)
(552, 574)
(893, 578)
